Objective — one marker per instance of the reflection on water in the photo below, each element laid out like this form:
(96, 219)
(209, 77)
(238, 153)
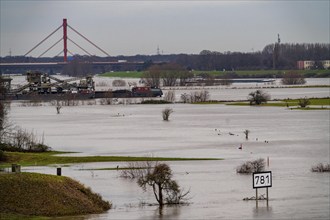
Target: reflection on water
(166, 212)
(263, 211)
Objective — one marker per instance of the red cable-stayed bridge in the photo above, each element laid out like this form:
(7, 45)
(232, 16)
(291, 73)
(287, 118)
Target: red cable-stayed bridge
(55, 67)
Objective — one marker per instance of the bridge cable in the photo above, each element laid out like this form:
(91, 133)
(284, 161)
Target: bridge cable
(70, 53)
(79, 47)
(50, 47)
(43, 40)
(88, 40)
(59, 53)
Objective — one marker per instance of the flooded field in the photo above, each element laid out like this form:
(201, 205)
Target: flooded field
(295, 141)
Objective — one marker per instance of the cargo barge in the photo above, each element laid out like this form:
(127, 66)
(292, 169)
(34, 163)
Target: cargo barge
(45, 87)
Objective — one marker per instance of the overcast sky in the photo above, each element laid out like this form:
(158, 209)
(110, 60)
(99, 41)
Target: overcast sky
(139, 27)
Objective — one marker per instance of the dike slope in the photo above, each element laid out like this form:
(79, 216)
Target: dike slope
(47, 195)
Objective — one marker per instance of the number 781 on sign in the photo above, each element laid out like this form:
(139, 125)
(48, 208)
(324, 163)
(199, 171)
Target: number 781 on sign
(262, 179)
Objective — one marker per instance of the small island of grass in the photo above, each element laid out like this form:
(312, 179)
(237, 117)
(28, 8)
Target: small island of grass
(53, 157)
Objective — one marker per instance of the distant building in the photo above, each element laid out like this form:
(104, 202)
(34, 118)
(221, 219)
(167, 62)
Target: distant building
(309, 64)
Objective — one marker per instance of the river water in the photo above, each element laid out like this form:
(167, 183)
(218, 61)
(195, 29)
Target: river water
(293, 141)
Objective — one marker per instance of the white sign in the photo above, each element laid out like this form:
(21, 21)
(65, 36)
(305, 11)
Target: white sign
(262, 179)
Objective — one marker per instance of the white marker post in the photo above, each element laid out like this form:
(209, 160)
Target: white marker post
(262, 180)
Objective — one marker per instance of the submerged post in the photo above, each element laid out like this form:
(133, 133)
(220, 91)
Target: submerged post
(15, 168)
(257, 197)
(59, 171)
(267, 161)
(267, 195)
(261, 180)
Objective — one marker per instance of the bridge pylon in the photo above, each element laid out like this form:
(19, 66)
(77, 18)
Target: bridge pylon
(65, 38)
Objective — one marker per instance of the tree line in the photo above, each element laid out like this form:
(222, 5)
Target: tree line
(285, 57)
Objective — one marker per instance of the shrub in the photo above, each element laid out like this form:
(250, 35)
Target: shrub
(252, 166)
(106, 101)
(321, 168)
(201, 96)
(303, 102)
(246, 132)
(293, 78)
(193, 97)
(185, 97)
(154, 102)
(258, 97)
(169, 96)
(24, 141)
(166, 113)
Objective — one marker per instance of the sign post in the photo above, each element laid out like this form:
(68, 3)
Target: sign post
(262, 180)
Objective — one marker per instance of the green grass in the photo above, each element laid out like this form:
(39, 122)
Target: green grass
(119, 168)
(256, 73)
(29, 194)
(310, 108)
(127, 74)
(325, 101)
(42, 159)
(291, 103)
(242, 73)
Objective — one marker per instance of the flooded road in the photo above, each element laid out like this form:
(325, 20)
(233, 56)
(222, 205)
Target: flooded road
(295, 141)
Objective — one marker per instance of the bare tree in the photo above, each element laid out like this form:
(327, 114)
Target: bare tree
(204, 95)
(166, 113)
(5, 125)
(25, 141)
(226, 80)
(58, 107)
(169, 96)
(201, 96)
(184, 76)
(159, 177)
(152, 76)
(169, 73)
(293, 78)
(3, 89)
(78, 67)
(185, 97)
(137, 169)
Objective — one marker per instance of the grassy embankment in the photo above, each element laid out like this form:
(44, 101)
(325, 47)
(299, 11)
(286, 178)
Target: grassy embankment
(293, 103)
(241, 73)
(32, 194)
(48, 158)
